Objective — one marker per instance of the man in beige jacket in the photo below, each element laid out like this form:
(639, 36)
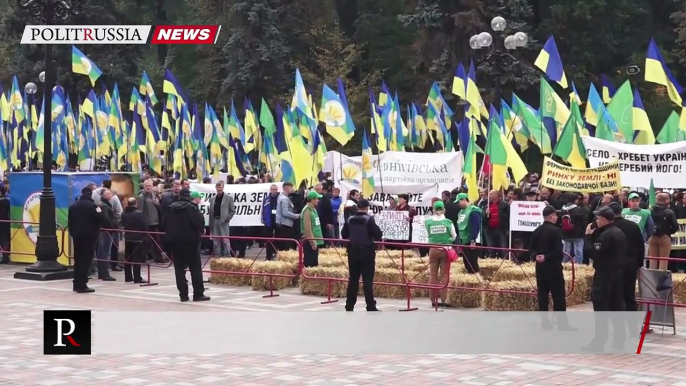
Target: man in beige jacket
(222, 210)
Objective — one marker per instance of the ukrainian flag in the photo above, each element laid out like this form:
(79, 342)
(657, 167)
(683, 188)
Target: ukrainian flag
(608, 89)
(171, 86)
(549, 62)
(80, 64)
(657, 72)
(643, 131)
(459, 82)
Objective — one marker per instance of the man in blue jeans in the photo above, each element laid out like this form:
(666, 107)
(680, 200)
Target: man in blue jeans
(573, 221)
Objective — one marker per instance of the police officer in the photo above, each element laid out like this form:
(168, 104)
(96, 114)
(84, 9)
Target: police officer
(183, 233)
(546, 247)
(84, 220)
(607, 250)
(361, 231)
(635, 255)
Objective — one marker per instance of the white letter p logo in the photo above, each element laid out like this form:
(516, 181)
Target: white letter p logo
(60, 333)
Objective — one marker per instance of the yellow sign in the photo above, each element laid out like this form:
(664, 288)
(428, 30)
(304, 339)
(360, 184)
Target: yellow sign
(592, 180)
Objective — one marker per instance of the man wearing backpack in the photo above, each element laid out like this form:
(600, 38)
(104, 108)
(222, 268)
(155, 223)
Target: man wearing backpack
(573, 220)
(660, 243)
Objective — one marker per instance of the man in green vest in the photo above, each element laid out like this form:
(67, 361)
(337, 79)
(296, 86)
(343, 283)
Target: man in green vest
(468, 228)
(440, 231)
(311, 229)
(635, 213)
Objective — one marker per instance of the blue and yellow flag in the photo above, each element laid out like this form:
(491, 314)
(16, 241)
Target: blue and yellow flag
(80, 64)
(460, 82)
(335, 115)
(657, 72)
(549, 62)
(608, 88)
(367, 169)
(643, 131)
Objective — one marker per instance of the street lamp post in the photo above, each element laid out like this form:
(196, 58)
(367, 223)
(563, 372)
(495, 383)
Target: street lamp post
(498, 56)
(46, 267)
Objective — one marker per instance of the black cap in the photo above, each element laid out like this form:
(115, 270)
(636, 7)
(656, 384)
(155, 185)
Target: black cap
(616, 208)
(548, 210)
(531, 192)
(362, 203)
(605, 212)
(185, 193)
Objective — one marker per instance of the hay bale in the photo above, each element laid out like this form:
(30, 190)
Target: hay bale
(334, 251)
(333, 261)
(389, 275)
(319, 287)
(679, 289)
(396, 254)
(524, 272)
(499, 301)
(489, 267)
(385, 262)
(464, 298)
(288, 256)
(262, 283)
(231, 265)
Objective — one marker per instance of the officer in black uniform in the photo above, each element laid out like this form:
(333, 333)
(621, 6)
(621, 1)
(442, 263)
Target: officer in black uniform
(84, 220)
(546, 248)
(361, 231)
(607, 250)
(633, 260)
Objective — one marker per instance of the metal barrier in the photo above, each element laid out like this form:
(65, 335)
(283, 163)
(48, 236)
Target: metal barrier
(13, 232)
(409, 284)
(270, 276)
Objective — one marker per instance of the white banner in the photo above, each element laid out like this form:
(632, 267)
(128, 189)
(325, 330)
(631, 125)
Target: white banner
(420, 195)
(525, 216)
(394, 168)
(247, 198)
(395, 225)
(665, 164)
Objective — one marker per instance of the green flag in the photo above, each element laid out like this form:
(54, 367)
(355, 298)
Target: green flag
(267, 119)
(651, 194)
(569, 146)
(670, 130)
(621, 109)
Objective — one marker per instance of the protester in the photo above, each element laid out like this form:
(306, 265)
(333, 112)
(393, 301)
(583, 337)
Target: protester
(361, 231)
(573, 223)
(608, 252)
(635, 253)
(135, 227)
(546, 248)
(660, 243)
(336, 202)
(392, 202)
(440, 230)
(404, 206)
(269, 219)
(496, 224)
(311, 229)
(222, 210)
(84, 219)
(324, 211)
(468, 228)
(351, 204)
(118, 210)
(105, 240)
(285, 217)
(149, 205)
(451, 208)
(5, 226)
(184, 233)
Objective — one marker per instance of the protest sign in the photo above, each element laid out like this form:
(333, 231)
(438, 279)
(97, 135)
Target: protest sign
(525, 216)
(247, 198)
(419, 234)
(395, 168)
(420, 195)
(638, 164)
(603, 178)
(395, 225)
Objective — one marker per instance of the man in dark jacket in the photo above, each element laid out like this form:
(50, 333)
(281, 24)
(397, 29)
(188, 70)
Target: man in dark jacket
(546, 248)
(184, 234)
(84, 220)
(269, 218)
(135, 228)
(324, 210)
(608, 247)
(573, 221)
(635, 252)
(660, 243)
(451, 208)
(5, 225)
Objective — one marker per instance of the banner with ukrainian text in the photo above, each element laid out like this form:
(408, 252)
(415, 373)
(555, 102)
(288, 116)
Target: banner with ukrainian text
(665, 163)
(247, 198)
(605, 178)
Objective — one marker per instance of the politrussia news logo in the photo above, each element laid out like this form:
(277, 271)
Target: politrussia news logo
(120, 34)
(66, 332)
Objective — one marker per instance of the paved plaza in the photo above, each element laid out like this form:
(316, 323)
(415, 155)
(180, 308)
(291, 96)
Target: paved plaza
(663, 361)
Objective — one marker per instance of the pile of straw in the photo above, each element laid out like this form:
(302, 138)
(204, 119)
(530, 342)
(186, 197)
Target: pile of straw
(498, 301)
(333, 260)
(397, 254)
(288, 256)
(524, 272)
(464, 298)
(489, 267)
(389, 275)
(319, 287)
(262, 283)
(679, 280)
(231, 265)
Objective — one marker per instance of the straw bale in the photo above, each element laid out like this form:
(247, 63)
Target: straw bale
(397, 254)
(679, 280)
(334, 261)
(231, 265)
(499, 301)
(335, 251)
(389, 275)
(488, 267)
(261, 283)
(464, 298)
(524, 272)
(319, 287)
(288, 256)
